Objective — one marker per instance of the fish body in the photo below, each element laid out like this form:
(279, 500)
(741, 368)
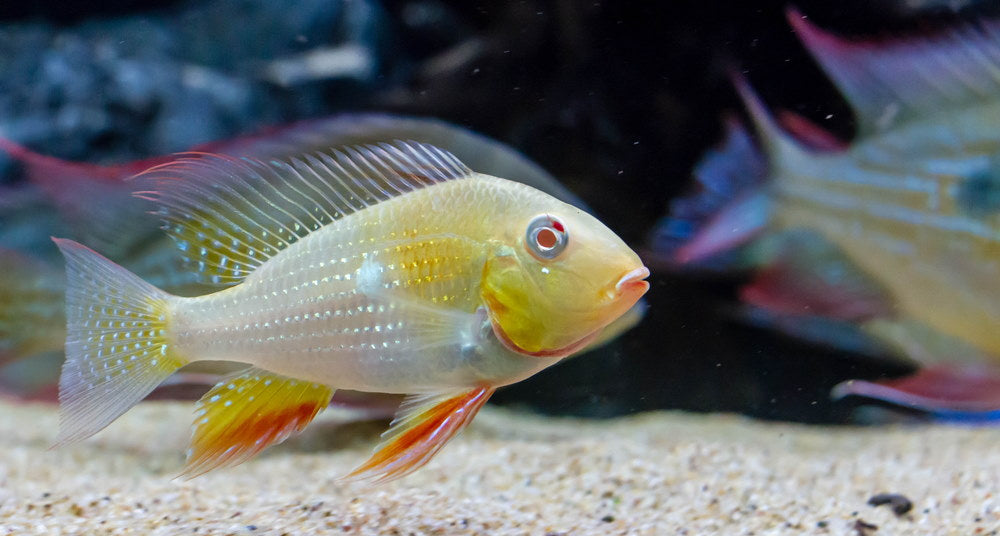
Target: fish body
(390, 269)
(897, 232)
(326, 309)
(95, 206)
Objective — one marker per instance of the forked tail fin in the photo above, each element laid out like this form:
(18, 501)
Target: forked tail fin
(117, 342)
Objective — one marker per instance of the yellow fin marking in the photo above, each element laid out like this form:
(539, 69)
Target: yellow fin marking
(241, 416)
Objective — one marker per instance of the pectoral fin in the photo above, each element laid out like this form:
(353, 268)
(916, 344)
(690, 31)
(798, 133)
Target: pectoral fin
(242, 416)
(423, 424)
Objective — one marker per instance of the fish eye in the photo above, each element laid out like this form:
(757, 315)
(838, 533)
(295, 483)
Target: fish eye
(546, 237)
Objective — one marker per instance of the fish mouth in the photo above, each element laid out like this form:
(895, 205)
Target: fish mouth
(634, 281)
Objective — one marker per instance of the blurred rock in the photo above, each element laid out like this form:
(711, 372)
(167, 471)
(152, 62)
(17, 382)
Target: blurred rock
(137, 85)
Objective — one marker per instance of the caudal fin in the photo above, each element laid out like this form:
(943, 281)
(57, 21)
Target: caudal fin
(117, 349)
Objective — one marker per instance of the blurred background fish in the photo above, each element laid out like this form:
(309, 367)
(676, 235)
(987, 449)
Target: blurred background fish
(888, 244)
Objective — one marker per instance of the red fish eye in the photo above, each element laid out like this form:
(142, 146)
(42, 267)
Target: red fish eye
(546, 238)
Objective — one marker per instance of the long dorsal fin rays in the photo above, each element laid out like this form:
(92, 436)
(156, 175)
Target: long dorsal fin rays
(891, 81)
(228, 215)
(481, 153)
(423, 424)
(241, 416)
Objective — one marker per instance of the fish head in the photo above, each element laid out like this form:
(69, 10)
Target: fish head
(556, 278)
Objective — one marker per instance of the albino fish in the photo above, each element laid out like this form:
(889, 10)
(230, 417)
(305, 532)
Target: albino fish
(896, 233)
(389, 268)
(96, 207)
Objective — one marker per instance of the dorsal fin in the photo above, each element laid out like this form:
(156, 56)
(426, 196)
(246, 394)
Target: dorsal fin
(481, 153)
(892, 81)
(781, 148)
(228, 215)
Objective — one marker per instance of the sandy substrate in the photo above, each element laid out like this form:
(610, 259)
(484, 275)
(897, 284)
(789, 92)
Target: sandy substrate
(510, 473)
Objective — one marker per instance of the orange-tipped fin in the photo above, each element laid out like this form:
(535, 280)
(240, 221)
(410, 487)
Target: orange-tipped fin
(422, 426)
(242, 416)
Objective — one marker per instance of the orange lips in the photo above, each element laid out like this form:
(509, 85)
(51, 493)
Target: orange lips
(633, 281)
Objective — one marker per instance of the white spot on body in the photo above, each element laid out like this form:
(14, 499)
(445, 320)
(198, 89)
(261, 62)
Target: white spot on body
(370, 277)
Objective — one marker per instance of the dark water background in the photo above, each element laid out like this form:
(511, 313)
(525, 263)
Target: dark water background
(617, 99)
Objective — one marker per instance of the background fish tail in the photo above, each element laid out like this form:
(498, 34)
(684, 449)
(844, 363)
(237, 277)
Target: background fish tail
(95, 200)
(32, 317)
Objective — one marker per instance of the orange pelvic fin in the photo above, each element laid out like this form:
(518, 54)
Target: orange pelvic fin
(423, 424)
(242, 416)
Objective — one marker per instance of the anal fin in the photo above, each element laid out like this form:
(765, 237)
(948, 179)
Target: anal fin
(423, 424)
(241, 416)
(950, 392)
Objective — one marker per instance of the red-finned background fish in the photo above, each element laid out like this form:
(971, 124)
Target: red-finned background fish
(389, 268)
(95, 205)
(897, 233)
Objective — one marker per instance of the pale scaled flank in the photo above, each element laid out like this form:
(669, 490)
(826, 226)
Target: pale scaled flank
(391, 268)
